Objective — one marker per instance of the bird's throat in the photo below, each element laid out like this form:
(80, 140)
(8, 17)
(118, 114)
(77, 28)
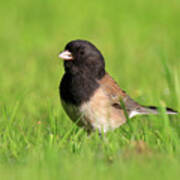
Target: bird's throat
(77, 89)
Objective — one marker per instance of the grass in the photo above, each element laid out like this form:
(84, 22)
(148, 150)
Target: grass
(141, 43)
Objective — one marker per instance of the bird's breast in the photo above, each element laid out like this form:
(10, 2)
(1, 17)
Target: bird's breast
(77, 89)
(97, 113)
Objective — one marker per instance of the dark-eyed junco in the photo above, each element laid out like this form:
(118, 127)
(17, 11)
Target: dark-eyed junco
(88, 93)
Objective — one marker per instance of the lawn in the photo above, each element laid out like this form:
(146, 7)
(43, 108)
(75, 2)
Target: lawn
(140, 41)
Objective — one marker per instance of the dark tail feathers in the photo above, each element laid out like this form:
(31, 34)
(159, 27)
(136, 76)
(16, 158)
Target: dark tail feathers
(154, 110)
(149, 110)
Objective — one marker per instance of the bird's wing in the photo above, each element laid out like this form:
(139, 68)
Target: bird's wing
(111, 88)
(117, 96)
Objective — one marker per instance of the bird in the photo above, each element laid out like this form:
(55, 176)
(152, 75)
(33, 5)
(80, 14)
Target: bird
(90, 96)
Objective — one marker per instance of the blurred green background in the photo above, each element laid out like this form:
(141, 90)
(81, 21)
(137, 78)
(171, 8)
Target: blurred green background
(140, 41)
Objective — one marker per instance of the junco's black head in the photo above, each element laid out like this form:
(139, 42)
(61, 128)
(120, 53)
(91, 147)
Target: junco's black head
(83, 57)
